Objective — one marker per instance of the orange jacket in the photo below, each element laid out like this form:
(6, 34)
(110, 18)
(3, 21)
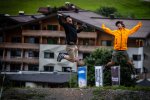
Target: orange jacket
(121, 35)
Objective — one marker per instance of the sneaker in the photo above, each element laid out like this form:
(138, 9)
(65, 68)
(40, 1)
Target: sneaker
(60, 57)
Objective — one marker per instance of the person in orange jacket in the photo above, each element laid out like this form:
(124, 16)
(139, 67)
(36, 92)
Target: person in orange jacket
(120, 41)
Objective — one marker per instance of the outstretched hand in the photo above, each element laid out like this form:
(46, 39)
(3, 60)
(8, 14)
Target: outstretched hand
(103, 25)
(140, 23)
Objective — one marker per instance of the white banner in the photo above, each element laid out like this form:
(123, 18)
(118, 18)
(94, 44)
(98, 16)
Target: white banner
(98, 76)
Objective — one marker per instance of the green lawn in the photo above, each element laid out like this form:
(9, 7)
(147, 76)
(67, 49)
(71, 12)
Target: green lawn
(126, 7)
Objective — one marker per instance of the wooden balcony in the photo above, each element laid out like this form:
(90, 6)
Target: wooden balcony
(21, 60)
(48, 33)
(90, 49)
(20, 46)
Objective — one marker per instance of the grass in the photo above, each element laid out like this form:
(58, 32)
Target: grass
(138, 8)
(130, 93)
(136, 88)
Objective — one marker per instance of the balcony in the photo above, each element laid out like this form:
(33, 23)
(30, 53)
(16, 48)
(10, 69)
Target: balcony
(20, 46)
(21, 60)
(89, 49)
(48, 33)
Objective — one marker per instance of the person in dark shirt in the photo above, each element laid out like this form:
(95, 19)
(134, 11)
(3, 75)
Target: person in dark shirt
(71, 40)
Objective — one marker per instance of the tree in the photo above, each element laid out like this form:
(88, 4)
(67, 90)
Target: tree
(98, 57)
(101, 57)
(106, 11)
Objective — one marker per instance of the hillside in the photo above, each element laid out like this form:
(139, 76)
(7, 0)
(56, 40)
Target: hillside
(138, 8)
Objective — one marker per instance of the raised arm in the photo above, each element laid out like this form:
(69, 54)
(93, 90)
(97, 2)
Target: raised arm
(107, 30)
(83, 26)
(80, 29)
(60, 20)
(135, 28)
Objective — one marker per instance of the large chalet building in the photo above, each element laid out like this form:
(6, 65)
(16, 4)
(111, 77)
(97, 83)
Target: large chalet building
(29, 44)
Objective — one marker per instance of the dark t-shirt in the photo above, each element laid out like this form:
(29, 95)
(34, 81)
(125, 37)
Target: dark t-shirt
(70, 31)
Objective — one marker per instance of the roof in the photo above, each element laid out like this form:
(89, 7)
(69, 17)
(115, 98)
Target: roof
(41, 77)
(26, 18)
(96, 20)
(144, 82)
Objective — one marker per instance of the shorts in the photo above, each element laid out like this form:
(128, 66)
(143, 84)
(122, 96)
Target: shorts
(72, 51)
(117, 53)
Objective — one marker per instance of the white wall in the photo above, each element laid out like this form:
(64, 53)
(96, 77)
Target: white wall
(138, 51)
(53, 62)
(30, 84)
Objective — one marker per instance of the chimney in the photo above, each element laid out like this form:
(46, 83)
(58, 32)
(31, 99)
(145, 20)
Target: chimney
(21, 13)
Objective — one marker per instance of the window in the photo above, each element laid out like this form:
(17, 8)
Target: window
(1, 53)
(52, 27)
(1, 39)
(106, 43)
(86, 42)
(145, 56)
(15, 53)
(16, 40)
(51, 41)
(49, 68)
(15, 67)
(89, 29)
(66, 69)
(33, 54)
(31, 40)
(86, 55)
(33, 68)
(136, 57)
(48, 55)
(1, 66)
(34, 27)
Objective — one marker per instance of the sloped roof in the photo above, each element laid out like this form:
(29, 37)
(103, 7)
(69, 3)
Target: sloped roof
(96, 20)
(26, 18)
(144, 82)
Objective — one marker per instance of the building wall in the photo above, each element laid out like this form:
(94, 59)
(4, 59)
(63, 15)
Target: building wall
(53, 62)
(30, 84)
(103, 36)
(147, 57)
(136, 51)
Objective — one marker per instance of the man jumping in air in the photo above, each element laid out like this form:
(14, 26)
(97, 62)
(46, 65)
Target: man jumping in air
(71, 40)
(120, 41)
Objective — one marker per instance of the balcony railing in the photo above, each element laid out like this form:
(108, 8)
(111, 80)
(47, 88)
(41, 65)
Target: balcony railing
(21, 60)
(19, 45)
(91, 48)
(48, 33)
